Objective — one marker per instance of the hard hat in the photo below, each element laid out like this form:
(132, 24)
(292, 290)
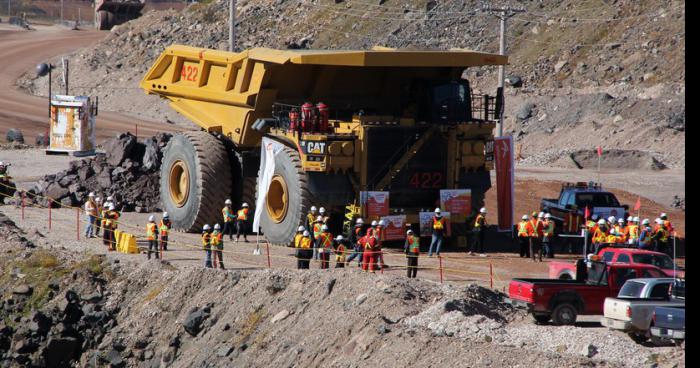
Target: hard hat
(645, 222)
(534, 214)
(380, 223)
(594, 217)
(621, 221)
(313, 208)
(319, 218)
(525, 217)
(109, 198)
(321, 210)
(540, 215)
(111, 207)
(409, 232)
(635, 219)
(359, 221)
(663, 216)
(228, 201)
(374, 223)
(601, 222)
(305, 234)
(217, 226)
(301, 229)
(630, 218)
(206, 227)
(2, 163)
(244, 204)
(165, 215)
(339, 238)
(482, 210)
(547, 216)
(658, 221)
(98, 200)
(151, 218)
(437, 210)
(92, 194)
(611, 219)
(324, 227)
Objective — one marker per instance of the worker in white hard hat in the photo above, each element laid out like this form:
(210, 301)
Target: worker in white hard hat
(325, 246)
(600, 236)
(632, 232)
(612, 221)
(217, 245)
(111, 224)
(304, 254)
(228, 219)
(298, 236)
(620, 233)
(152, 236)
(645, 236)
(91, 214)
(242, 222)
(98, 218)
(311, 217)
(439, 226)
(378, 233)
(479, 231)
(317, 230)
(339, 251)
(524, 231)
(660, 236)
(322, 211)
(354, 238)
(667, 223)
(206, 245)
(164, 230)
(103, 213)
(547, 236)
(412, 250)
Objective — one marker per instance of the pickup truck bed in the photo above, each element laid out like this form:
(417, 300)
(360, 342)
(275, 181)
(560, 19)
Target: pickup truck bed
(668, 323)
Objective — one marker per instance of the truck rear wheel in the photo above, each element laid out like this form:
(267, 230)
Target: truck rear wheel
(287, 199)
(195, 180)
(564, 314)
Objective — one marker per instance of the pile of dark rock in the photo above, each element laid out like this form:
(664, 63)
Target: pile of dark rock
(678, 202)
(129, 171)
(55, 337)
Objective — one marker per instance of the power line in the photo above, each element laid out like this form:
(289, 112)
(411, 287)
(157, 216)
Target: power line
(579, 44)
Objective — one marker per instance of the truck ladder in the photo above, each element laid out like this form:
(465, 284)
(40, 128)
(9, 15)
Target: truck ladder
(412, 151)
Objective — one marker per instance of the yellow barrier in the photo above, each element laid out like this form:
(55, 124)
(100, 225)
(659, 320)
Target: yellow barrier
(126, 243)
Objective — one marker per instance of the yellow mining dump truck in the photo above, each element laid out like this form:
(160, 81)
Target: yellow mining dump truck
(400, 121)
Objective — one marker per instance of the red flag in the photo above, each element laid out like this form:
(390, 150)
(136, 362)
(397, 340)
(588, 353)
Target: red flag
(587, 213)
(600, 151)
(638, 205)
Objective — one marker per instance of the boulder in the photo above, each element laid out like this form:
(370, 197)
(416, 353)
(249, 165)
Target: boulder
(589, 350)
(15, 135)
(23, 289)
(68, 180)
(56, 191)
(104, 180)
(42, 140)
(61, 350)
(114, 359)
(119, 148)
(85, 172)
(151, 159)
(280, 316)
(193, 322)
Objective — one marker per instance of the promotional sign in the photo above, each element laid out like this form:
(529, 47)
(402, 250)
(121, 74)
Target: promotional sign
(456, 201)
(376, 203)
(505, 182)
(426, 223)
(394, 227)
(268, 150)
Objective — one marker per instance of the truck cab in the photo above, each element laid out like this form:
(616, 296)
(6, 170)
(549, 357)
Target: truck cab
(568, 210)
(665, 267)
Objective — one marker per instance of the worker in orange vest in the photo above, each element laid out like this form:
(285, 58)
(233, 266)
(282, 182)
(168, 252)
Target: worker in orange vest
(600, 236)
(339, 250)
(242, 222)
(206, 245)
(632, 232)
(164, 230)
(439, 226)
(369, 256)
(524, 231)
(325, 245)
(152, 236)
(304, 252)
(660, 237)
(379, 234)
(317, 230)
(620, 232)
(667, 224)
(479, 230)
(228, 217)
(217, 245)
(547, 236)
(412, 250)
(536, 236)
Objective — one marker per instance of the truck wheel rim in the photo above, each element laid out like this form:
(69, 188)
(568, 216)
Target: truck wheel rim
(179, 183)
(277, 199)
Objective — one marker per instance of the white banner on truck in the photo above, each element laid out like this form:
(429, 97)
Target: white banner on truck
(268, 150)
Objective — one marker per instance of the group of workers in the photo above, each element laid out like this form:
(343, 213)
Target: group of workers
(101, 216)
(631, 233)
(213, 239)
(535, 236)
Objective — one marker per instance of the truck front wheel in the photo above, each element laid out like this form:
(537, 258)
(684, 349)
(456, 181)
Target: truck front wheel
(564, 314)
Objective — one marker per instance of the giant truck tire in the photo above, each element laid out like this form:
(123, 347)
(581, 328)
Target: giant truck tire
(102, 22)
(195, 180)
(287, 200)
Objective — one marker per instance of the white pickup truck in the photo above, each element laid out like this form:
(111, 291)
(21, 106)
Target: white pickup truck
(633, 309)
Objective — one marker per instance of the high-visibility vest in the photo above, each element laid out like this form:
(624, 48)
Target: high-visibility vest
(369, 242)
(480, 219)
(548, 229)
(413, 244)
(206, 241)
(438, 223)
(226, 213)
(664, 234)
(114, 215)
(310, 218)
(326, 241)
(645, 236)
(599, 236)
(611, 239)
(151, 231)
(340, 253)
(590, 225)
(317, 230)
(305, 243)
(164, 228)
(536, 228)
(242, 214)
(633, 232)
(216, 237)
(523, 230)
(297, 240)
(668, 226)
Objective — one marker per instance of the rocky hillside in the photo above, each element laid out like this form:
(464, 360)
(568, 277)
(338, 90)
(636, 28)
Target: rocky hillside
(614, 68)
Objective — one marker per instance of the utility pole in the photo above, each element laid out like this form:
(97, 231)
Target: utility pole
(61, 11)
(502, 13)
(231, 24)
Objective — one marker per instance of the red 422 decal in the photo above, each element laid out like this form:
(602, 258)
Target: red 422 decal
(189, 73)
(426, 180)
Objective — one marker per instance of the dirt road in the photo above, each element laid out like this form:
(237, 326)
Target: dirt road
(19, 51)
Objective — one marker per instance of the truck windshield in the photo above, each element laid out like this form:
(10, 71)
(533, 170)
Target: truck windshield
(658, 260)
(596, 200)
(597, 274)
(631, 289)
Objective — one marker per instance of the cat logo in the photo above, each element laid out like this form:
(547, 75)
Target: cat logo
(314, 147)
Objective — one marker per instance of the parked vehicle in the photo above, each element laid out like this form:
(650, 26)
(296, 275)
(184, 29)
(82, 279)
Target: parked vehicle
(664, 263)
(631, 311)
(563, 300)
(668, 324)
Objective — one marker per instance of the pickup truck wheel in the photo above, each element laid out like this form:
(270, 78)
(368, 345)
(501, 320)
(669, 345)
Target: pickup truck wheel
(639, 339)
(564, 314)
(541, 318)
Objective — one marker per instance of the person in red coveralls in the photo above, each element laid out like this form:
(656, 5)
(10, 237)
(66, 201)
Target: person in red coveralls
(369, 256)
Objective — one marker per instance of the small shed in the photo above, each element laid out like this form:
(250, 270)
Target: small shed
(72, 125)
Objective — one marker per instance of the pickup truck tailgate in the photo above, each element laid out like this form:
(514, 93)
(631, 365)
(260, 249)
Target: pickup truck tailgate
(616, 309)
(520, 290)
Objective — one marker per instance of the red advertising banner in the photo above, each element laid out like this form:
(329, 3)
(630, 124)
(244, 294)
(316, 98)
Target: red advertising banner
(376, 203)
(505, 182)
(456, 201)
(394, 227)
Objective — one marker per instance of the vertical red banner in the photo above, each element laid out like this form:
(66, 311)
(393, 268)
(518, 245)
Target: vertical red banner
(505, 182)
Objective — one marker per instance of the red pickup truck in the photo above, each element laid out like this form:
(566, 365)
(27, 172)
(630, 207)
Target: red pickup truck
(567, 270)
(563, 300)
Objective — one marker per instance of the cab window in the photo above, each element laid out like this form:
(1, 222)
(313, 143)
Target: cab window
(564, 198)
(622, 275)
(660, 291)
(623, 258)
(652, 273)
(608, 256)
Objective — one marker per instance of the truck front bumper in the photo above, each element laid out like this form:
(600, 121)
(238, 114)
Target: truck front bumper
(616, 324)
(520, 304)
(665, 333)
